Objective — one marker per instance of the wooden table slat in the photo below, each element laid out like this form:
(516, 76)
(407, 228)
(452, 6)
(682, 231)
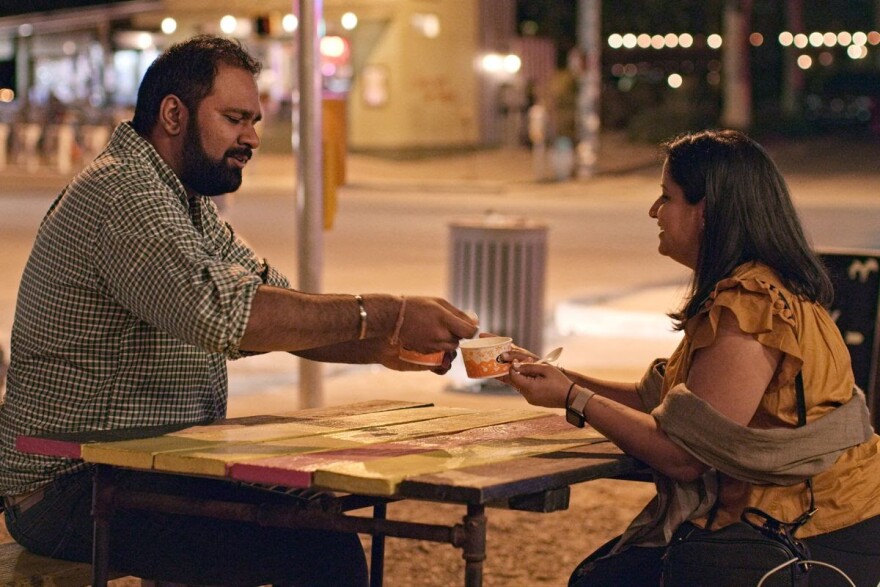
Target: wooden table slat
(337, 411)
(502, 481)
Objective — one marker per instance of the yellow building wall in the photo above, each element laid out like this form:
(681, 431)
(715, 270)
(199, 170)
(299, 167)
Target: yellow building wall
(432, 85)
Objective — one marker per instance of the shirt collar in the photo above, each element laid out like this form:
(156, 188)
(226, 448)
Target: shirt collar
(140, 148)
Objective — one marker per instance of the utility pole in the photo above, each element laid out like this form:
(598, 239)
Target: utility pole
(309, 190)
(792, 75)
(589, 87)
(737, 109)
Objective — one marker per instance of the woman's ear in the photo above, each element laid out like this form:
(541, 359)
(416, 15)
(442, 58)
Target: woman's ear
(172, 115)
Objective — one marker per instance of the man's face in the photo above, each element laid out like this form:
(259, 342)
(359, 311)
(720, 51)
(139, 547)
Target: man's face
(220, 135)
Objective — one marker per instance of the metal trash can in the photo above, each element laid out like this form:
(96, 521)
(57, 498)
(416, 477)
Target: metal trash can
(497, 269)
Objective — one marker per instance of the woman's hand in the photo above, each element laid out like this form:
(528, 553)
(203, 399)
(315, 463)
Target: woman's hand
(541, 385)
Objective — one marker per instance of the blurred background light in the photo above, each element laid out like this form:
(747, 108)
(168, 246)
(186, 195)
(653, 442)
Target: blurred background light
(289, 23)
(168, 26)
(228, 24)
(349, 21)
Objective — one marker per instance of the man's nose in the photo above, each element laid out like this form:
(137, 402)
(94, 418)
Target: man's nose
(250, 137)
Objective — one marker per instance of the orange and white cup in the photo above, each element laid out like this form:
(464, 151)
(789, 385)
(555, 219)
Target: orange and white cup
(427, 359)
(481, 356)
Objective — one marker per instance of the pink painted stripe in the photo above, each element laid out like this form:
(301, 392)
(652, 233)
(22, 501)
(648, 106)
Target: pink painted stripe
(49, 447)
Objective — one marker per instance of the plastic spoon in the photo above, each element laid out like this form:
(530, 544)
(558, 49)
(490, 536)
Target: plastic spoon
(550, 357)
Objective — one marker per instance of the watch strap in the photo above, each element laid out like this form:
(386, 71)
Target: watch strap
(574, 413)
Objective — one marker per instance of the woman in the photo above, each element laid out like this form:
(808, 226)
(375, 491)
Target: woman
(754, 323)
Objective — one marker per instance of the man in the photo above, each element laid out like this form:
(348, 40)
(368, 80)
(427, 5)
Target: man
(134, 297)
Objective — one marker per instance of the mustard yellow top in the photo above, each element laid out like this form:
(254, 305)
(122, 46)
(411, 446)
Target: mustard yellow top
(849, 491)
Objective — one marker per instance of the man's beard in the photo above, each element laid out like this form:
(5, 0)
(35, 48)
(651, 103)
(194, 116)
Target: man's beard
(206, 176)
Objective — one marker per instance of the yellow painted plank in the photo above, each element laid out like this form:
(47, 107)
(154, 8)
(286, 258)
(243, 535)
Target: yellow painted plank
(216, 460)
(382, 476)
(139, 453)
(257, 433)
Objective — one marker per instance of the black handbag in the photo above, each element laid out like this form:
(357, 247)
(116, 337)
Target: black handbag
(738, 555)
(745, 553)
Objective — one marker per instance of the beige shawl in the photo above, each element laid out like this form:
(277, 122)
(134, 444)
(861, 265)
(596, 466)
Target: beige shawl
(778, 456)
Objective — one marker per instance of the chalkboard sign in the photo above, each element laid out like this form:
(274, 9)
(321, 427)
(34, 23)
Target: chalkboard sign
(856, 277)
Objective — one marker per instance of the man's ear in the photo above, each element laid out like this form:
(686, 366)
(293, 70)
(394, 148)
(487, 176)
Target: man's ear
(173, 115)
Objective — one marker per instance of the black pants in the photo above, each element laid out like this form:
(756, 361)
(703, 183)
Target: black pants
(855, 550)
(187, 549)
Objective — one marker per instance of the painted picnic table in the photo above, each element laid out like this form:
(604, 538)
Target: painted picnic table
(367, 454)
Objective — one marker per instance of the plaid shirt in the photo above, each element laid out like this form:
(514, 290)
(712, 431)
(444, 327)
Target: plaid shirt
(132, 299)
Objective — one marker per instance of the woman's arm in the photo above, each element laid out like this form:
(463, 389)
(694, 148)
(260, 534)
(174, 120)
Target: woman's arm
(731, 375)
(619, 391)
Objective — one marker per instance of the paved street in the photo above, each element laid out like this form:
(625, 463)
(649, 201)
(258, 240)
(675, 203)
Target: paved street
(606, 288)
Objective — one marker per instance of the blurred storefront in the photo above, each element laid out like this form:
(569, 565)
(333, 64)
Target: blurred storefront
(430, 75)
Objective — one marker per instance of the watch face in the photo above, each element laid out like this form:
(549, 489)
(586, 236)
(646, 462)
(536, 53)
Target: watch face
(574, 418)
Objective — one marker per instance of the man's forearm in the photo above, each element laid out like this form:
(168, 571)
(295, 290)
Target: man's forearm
(288, 320)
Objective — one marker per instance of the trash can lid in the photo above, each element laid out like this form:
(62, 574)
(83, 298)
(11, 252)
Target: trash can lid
(499, 221)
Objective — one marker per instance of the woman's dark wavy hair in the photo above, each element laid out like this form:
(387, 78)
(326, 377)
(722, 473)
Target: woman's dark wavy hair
(187, 70)
(749, 216)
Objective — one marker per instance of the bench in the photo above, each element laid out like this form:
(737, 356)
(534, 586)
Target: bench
(20, 568)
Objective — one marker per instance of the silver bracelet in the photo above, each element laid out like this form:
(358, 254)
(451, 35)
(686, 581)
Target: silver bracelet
(362, 318)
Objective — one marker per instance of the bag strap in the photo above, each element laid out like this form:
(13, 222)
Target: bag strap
(801, 421)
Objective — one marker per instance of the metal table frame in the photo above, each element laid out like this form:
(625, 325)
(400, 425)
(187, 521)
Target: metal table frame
(542, 494)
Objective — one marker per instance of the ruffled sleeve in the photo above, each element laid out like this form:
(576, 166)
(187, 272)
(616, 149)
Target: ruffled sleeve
(760, 309)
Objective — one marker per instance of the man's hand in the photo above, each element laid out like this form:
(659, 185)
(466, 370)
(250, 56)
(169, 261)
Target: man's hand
(433, 324)
(391, 360)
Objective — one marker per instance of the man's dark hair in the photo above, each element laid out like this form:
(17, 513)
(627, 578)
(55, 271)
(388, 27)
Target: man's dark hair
(749, 216)
(187, 70)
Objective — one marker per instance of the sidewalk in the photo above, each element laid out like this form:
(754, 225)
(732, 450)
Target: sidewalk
(485, 171)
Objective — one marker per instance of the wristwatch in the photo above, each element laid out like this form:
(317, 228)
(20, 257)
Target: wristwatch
(574, 414)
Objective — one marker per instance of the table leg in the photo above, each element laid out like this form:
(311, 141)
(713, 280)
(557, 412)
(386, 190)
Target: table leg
(101, 506)
(474, 545)
(377, 549)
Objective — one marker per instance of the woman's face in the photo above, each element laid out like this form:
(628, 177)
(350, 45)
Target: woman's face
(680, 222)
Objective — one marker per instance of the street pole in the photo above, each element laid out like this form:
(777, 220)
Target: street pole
(309, 200)
(792, 75)
(737, 108)
(589, 87)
